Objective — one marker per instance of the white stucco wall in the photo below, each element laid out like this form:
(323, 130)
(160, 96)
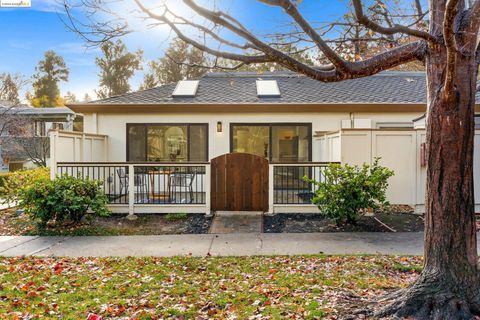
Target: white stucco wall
(399, 150)
(114, 125)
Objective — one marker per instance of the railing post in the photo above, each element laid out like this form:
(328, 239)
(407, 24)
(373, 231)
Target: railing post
(131, 192)
(207, 190)
(53, 153)
(270, 189)
(105, 148)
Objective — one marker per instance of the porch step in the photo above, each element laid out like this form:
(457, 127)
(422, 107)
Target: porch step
(237, 222)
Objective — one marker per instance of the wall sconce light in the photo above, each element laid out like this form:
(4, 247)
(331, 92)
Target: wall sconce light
(219, 126)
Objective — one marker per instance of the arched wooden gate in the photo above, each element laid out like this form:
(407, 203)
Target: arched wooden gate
(239, 183)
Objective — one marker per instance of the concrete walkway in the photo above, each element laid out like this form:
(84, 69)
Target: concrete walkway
(237, 222)
(240, 244)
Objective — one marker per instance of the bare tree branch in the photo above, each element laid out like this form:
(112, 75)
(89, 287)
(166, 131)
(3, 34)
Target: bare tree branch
(397, 28)
(223, 18)
(88, 31)
(213, 34)
(418, 7)
(291, 9)
(223, 54)
(215, 66)
(451, 11)
(336, 69)
(326, 73)
(475, 14)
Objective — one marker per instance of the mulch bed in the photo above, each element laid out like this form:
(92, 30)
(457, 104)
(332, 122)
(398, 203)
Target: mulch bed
(147, 224)
(158, 224)
(298, 223)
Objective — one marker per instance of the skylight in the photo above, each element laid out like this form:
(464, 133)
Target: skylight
(267, 88)
(185, 89)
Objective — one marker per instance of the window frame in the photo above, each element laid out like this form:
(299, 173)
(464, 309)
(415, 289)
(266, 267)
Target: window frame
(270, 135)
(146, 125)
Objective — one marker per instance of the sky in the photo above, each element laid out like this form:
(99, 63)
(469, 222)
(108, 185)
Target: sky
(26, 33)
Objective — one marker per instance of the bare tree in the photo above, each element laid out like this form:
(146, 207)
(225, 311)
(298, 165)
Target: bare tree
(35, 149)
(17, 134)
(18, 138)
(8, 115)
(448, 287)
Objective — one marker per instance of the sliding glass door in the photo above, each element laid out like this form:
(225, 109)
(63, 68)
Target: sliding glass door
(276, 142)
(167, 142)
(290, 143)
(253, 139)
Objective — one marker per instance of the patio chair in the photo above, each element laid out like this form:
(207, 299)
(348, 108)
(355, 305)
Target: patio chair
(182, 180)
(139, 182)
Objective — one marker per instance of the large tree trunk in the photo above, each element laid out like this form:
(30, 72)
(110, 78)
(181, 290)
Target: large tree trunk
(448, 287)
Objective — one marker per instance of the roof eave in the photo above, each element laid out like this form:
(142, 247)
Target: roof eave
(249, 107)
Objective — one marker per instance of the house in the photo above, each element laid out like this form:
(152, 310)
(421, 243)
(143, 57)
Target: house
(244, 141)
(25, 142)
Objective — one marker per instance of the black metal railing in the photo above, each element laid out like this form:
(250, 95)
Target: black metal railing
(289, 185)
(170, 184)
(113, 185)
(152, 183)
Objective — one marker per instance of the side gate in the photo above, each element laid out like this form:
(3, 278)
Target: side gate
(239, 182)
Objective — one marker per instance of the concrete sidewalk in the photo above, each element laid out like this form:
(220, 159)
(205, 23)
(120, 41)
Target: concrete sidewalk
(241, 244)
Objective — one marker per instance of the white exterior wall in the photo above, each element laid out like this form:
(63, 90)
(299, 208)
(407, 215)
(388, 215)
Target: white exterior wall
(399, 150)
(329, 147)
(114, 125)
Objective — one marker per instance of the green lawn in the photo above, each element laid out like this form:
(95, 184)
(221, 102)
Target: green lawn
(308, 287)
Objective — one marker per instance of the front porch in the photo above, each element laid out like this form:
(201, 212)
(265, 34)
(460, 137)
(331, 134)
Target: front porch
(186, 187)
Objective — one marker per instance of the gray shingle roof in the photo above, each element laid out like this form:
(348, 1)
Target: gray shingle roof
(23, 109)
(47, 111)
(240, 88)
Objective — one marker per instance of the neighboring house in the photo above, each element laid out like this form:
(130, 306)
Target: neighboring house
(187, 142)
(25, 142)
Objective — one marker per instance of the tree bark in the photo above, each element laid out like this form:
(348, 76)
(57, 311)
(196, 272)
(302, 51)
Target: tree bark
(448, 287)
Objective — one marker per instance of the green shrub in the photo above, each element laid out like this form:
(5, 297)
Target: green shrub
(65, 199)
(15, 182)
(347, 191)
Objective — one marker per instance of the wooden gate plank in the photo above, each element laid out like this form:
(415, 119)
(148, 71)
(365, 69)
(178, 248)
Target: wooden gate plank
(247, 177)
(239, 182)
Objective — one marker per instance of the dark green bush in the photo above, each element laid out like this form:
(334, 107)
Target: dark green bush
(65, 199)
(347, 191)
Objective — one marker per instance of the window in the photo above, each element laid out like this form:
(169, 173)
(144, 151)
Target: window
(40, 129)
(290, 143)
(282, 142)
(167, 142)
(253, 139)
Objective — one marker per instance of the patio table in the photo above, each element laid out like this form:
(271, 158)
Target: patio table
(165, 195)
